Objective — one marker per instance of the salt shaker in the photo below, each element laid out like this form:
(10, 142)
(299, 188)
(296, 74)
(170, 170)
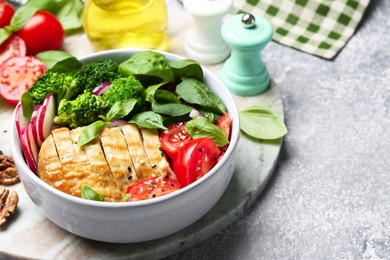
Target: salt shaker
(244, 73)
(204, 42)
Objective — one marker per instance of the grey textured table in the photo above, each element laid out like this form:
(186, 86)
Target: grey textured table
(329, 195)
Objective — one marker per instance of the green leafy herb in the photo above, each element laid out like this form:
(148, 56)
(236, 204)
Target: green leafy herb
(195, 92)
(90, 194)
(261, 123)
(28, 105)
(151, 90)
(59, 61)
(148, 63)
(171, 109)
(165, 96)
(202, 127)
(90, 132)
(187, 69)
(121, 109)
(148, 119)
(69, 13)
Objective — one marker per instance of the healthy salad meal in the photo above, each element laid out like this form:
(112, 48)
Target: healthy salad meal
(126, 131)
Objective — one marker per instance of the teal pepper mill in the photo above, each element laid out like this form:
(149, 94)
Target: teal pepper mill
(244, 73)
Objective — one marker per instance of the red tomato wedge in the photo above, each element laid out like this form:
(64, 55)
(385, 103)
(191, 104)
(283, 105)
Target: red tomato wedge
(17, 75)
(175, 137)
(195, 159)
(14, 46)
(225, 123)
(151, 188)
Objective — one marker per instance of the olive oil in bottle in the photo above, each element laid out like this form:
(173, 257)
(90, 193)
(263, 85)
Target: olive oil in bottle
(114, 24)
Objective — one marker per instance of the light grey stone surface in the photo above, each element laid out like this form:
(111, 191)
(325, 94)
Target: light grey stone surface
(329, 195)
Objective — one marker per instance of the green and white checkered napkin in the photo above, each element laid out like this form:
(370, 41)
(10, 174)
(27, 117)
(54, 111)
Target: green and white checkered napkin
(321, 28)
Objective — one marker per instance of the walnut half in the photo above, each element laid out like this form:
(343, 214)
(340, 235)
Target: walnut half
(8, 204)
(8, 173)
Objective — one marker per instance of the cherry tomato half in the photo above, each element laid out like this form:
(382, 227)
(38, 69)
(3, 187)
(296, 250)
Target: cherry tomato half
(151, 188)
(42, 32)
(6, 13)
(225, 122)
(17, 75)
(14, 46)
(175, 137)
(195, 159)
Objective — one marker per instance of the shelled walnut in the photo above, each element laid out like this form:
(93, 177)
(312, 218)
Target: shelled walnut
(8, 203)
(8, 173)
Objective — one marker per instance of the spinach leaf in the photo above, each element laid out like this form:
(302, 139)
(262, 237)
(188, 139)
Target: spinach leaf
(261, 123)
(195, 92)
(165, 96)
(151, 90)
(59, 61)
(147, 63)
(90, 194)
(148, 119)
(187, 69)
(121, 109)
(171, 109)
(202, 127)
(28, 105)
(90, 132)
(212, 117)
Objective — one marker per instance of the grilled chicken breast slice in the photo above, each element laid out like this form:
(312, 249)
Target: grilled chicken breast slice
(155, 156)
(49, 166)
(117, 156)
(133, 138)
(73, 168)
(98, 173)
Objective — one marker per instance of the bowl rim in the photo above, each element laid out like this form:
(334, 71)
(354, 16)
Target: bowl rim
(235, 134)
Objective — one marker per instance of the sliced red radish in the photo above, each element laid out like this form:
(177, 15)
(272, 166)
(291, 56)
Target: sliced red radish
(27, 149)
(99, 90)
(34, 125)
(21, 121)
(46, 116)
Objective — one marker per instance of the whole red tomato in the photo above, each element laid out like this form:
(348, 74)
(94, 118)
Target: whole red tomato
(6, 13)
(42, 32)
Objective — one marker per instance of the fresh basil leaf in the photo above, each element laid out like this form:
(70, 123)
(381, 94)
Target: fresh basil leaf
(261, 123)
(28, 105)
(5, 33)
(121, 109)
(59, 61)
(90, 132)
(195, 92)
(202, 127)
(90, 194)
(149, 119)
(187, 69)
(147, 63)
(171, 109)
(149, 91)
(69, 13)
(165, 96)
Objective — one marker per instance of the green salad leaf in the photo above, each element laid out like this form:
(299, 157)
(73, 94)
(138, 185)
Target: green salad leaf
(202, 127)
(121, 109)
(59, 61)
(261, 123)
(149, 119)
(90, 194)
(187, 69)
(196, 92)
(90, 132)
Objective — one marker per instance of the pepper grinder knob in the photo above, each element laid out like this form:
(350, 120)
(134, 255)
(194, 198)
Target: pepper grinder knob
(244, 73)
(204, 42)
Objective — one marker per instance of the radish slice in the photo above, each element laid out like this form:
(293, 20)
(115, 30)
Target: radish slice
(28, 144)
(34, 125)
(21, 121)
(99, 90)
(46, 116)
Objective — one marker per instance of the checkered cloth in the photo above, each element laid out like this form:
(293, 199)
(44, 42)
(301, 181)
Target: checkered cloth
(319, 27)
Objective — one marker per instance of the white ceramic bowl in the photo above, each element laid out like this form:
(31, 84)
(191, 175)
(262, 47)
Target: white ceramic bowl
(120, 222)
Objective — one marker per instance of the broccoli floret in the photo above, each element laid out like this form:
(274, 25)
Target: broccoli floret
(126, 88)
(60, 84)
(83, 110)
(93, 74)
